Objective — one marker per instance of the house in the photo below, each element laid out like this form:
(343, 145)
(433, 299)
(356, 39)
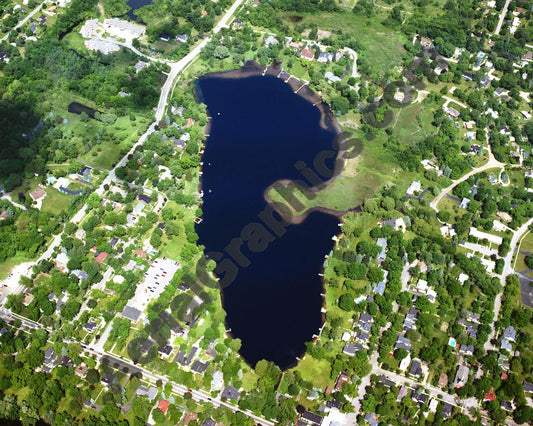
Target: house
(271, 40)
(526, 115)
(466, 349)
(503, 361)
(131, 313)
(37, 194)
(165, 351)
(114, 241)
(441, 68)
(231, 393)
(349, 349)
(443, 380)
(510, 333)
(506, 405)
(484, 81)
(146, 346)
(382, 242)
(464, 203)
(498, 91)
(490, 396)
(312, 418)
(461, 377)
(140, 65)
(218, 381)
(27, 299)
(81, 275)
(182, 38)
(209, 422)
(446, 411)
(332, 78)
(402, 393)
(186, 360)
(404, 363)
(362, 337)
(62, 259)
(403, 343)
(371, 419)
(365, 322)
(100, 257)
(419, 398)
(452, 112)
(379, 288)
(527, 56)
(150, 392)
(163, 406)
(493, 179)
(422, 286)
(50, 357)
(426, 43)
(342, 378)
(528, 387)
(307, 54)
(199, 366)
(416, 369)
(81, 370)
(144, 198)
(90, 326)
(433, 404)
(415, 187)
(165, 37)
(325, 57)
(468, 76)
(505, 344)
(386, 382)
(335, 405)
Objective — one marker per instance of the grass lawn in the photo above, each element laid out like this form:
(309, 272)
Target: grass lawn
(7, 265)
(315, 371)
(381, 47)
(55, 201)
(359, 180)
(249, 380)
(405, 125)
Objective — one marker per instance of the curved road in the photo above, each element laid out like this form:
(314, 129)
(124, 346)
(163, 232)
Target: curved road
(491, 164)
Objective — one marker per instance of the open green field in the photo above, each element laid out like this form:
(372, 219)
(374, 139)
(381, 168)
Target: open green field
(315, 371)
(55, 201)
(381, 47)
(7, 265)
(413, 123)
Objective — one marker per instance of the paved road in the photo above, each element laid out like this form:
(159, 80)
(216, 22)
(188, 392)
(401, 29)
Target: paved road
(491, 164)
(178, 67)
(507, 270)
(502, 17)
(448, 100)
(21, 23)
(199, 396)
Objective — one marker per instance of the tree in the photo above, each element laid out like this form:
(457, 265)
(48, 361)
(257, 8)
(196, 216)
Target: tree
(340, 105)
(375, 274)
(221, 52)
(93, 376)
(523, 414)
(400, 353)
(346, 302)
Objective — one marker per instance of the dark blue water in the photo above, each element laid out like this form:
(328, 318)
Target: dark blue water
(260, 129)
(136, 4)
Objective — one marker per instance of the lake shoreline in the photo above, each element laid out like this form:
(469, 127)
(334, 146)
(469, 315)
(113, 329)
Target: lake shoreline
(327, 121)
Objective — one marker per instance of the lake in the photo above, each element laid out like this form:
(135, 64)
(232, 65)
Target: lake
(259, 130)
(136, 4)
